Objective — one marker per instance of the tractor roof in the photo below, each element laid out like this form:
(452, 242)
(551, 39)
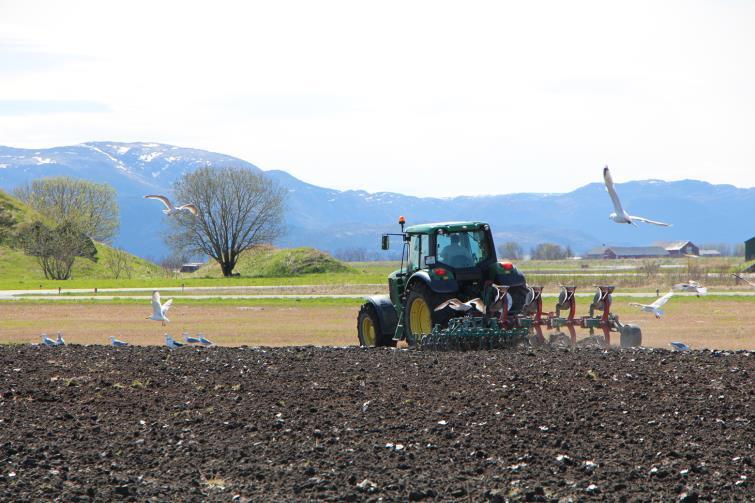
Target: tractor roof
(446, 226)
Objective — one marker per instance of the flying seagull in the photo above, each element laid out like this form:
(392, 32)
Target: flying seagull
(118, 344)
(463, 307)
(655, 307)
(691, 286)
(60, 341)
(47, 341)
(745, 280)
(172, 344)
(203, 341)
(158, 310)
(620, 216)
(173, 210)
(679, 346)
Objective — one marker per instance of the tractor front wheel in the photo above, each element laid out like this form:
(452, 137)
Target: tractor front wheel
(419, 312)
(369, 330)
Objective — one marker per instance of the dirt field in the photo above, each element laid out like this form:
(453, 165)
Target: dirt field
(700, 323)
(81, 423)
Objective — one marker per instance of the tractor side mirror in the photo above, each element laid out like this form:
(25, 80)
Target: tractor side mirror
(385, 242)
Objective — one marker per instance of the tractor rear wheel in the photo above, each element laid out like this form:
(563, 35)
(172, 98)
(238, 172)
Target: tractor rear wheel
(419, 312)
(368, 328)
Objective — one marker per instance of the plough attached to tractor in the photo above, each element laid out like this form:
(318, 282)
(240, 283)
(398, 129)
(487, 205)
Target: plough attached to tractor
(486, 332)
(451, 268)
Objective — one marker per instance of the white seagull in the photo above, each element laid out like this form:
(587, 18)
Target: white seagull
(191, 340)
(60, 341)
(655, 307)
(118, 344)
(679, 346)
(203, 341)
(620, 216)
(745, 280)
(173, 210)
(47, 341)
(158, 310)
(691, 286)
(172, 344)
(463, 307)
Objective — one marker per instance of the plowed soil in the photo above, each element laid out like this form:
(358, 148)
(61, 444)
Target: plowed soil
(80, 423)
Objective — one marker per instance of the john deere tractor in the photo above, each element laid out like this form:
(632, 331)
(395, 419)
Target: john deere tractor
(439, 261)
(457, 260)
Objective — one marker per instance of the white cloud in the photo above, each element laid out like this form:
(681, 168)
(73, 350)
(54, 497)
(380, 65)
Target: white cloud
(419, 97)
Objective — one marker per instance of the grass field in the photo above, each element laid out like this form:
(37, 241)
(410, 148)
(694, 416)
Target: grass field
(707, 322)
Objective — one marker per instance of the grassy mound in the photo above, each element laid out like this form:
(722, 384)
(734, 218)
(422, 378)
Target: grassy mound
(269, 262)
(15, 267)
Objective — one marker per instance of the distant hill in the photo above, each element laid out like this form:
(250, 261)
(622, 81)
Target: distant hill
(18, 266)
(331, 219)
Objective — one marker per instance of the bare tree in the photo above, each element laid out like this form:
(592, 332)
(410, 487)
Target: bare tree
(510, 250)
(548, 251)
(91, 207)
(238, 209)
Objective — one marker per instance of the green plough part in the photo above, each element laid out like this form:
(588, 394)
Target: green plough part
(469, 334)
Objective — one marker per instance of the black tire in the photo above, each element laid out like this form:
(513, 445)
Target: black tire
(368, 317)
(631, 336)
(420, 292)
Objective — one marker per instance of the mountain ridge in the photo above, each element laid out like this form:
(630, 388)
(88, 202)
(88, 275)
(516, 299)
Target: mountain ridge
(331, 219)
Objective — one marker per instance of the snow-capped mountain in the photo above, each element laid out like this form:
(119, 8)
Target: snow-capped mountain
(331, 219)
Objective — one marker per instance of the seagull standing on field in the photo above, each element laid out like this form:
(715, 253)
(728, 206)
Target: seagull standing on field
(60, 341)
(172, 344)
(203, 341)
(191, 340)
(118, 344)
(173, 210)
(620, 216)
(47, 341)
(158, 310)
(679, 346)
(655, 307)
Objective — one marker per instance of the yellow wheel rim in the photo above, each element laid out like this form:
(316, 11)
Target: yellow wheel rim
(368, 331)
(420, 320)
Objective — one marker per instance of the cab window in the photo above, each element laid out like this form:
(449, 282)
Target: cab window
(418, 249)
(462, 249)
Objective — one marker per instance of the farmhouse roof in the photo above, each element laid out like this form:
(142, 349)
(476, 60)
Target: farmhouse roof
(639, 251)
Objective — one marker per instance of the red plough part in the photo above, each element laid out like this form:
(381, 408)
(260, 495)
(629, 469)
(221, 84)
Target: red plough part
(533, 316)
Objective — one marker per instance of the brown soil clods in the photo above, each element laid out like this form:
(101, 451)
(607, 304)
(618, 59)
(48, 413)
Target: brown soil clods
(80, 423)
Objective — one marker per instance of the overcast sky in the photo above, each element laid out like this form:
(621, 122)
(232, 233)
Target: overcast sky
(425, 98)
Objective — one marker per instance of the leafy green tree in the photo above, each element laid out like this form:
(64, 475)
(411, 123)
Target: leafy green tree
(90, 207)
(56, 249)
(237, 210)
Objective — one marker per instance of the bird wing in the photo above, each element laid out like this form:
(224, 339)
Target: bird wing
(446, 304)
(156, 308)
(658, 303)
(164, 199)
(648, 221)
(477, 304)
(612, 191)
(166, 306)
(635, 304)
(191, 208)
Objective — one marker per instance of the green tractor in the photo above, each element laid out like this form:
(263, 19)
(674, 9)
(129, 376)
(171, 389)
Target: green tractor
(456, 260)
(439, 261)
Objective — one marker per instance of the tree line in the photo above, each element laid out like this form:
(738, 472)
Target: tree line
(238, 209)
